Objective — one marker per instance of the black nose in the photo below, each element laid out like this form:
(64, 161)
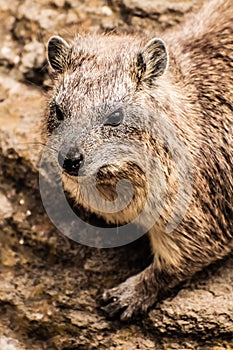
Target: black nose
(71, 162)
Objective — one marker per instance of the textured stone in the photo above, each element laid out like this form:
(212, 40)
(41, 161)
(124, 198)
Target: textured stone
(204, 309)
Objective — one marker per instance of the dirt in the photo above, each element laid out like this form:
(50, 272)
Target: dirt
(49, 284)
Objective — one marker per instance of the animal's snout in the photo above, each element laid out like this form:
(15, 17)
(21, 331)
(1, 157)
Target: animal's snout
(71, 161)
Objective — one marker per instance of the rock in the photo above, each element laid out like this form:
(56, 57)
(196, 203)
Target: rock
(204, 309)
(34, 56)
(6, 210)
(9, 344)
(152, 16)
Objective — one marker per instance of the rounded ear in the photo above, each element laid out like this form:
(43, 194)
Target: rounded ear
(152, 61)
(57, 50)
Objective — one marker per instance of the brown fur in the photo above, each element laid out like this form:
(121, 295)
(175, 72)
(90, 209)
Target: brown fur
(100, 73)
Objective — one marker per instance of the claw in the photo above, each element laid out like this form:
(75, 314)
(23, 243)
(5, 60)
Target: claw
(112, 310)
(125, 300)
(106, 298)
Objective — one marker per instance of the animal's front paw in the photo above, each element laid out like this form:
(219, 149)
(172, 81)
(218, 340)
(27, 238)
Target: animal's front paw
(127, 299)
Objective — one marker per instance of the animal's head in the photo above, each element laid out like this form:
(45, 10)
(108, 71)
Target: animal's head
(100, 119)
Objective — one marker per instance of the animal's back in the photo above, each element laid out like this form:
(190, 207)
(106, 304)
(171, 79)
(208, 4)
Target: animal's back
(203, 50)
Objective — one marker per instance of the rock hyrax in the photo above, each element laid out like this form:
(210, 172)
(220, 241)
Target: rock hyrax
(114, 88)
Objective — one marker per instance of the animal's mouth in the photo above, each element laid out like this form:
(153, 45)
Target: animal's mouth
(126, 170)
(130, 177)
(117, 194)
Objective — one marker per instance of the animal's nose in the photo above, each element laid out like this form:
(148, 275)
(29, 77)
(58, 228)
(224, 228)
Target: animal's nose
(71, 161)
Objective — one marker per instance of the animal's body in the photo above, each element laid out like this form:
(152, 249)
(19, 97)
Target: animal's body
(186, 79)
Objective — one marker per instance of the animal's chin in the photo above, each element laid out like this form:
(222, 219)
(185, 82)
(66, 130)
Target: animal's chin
(112, 196)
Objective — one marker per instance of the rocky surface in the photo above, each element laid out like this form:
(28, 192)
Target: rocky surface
(49, 284)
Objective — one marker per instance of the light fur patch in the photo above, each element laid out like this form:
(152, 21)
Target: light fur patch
(165, 250)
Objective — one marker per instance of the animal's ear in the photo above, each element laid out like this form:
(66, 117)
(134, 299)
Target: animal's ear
(152, 61)
(57, 50)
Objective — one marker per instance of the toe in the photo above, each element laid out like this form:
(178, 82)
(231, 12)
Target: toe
(108, 297)
(113, 309)
(127, 314)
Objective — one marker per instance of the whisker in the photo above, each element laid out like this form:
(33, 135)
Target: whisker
(38, 143)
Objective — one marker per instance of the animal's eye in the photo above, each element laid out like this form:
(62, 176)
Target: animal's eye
(115, 118)
(59, 113)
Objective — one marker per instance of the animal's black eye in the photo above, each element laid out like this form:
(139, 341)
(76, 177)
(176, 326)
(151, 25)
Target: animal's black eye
(115, 118)
(59, 113)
